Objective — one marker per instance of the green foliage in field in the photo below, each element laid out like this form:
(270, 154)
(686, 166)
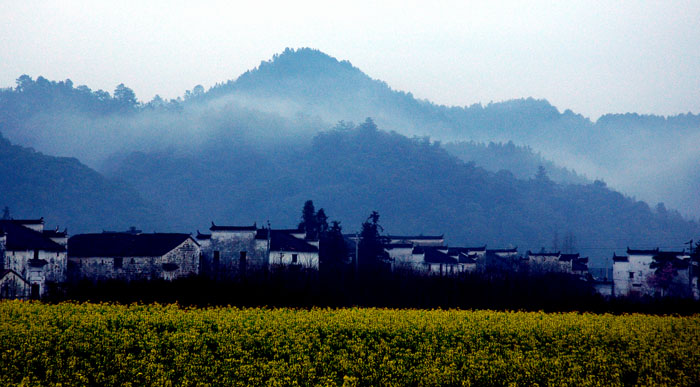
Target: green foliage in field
(99, 344)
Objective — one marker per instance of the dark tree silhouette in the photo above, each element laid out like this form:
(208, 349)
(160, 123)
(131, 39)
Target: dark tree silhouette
(308, 221)
(125, 96)
(321, 222)
(371, 247)
(332, 248)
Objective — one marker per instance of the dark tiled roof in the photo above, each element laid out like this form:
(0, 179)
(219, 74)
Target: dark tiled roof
(390, 246)
(620, 258)
(415, 237)
(418, 249)
(131, 230)
(21, 238)
(27, 221)
(669, 254)
(435, 256)
(642, 252)
(568, 257)
(261, 234)
(232, 228)
(544, 254)
(123, 245)
(201, 236)
(458, 250)
(579, 266)
(466, 259)
(282, 241)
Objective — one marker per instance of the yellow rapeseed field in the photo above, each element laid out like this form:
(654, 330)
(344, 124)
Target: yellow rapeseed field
(105, 345)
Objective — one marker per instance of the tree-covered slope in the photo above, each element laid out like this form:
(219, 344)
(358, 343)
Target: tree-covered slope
(300, 92)
(67, 193)
(416, 186)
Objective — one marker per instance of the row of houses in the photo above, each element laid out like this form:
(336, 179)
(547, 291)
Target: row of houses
(430, 255)
(33, 259)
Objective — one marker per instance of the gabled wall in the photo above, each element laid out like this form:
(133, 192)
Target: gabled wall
(180, 262)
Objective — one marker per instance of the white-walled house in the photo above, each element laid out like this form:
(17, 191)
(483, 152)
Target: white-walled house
(33, 255)
(288, 248)
(232, 251)
(579, 267)
(504, 253)
(437, 261)
(130, 256)
(401, 256)
(566, 262)
(651, 272)
(544, 260)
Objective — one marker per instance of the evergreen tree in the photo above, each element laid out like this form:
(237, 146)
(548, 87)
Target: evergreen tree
(371, 248)
(321, 222)
(332, 248)
(309, 223)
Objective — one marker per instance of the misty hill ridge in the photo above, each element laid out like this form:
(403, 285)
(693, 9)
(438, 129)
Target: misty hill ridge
(66, 192)
(415, 185)
(332, 88)
(301, 92)
(312, 74)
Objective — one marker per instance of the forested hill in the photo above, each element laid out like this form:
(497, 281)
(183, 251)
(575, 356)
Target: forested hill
(301, 92)
(67, 193)
(621, 149)
(520, 160)
(416, 186)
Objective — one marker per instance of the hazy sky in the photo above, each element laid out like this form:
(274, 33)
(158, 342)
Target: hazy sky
(592, 57)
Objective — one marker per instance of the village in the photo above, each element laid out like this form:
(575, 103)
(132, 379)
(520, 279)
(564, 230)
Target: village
(34, 259)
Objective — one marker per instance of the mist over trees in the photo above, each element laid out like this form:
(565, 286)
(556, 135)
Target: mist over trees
(301, 92)
(414, 183)
(69, 194)
(253, 148)
(521, 161)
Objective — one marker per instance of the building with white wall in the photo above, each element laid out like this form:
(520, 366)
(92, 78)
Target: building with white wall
(39, 258)
(652, 273)
(133, 256)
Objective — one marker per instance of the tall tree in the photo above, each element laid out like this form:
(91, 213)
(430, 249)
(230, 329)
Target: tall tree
(309, 223)
(125, 96)
(371, 247)
(321, 222)
(332, 248)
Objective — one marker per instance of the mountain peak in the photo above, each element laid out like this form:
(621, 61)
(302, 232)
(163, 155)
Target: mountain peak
(302, 62)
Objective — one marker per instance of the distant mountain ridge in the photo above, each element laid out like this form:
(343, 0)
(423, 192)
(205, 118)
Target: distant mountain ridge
(617, 147)
(415, 185)
(67, 193)
(301, 92)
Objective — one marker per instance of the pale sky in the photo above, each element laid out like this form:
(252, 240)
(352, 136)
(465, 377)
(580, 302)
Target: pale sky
(589, 56)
